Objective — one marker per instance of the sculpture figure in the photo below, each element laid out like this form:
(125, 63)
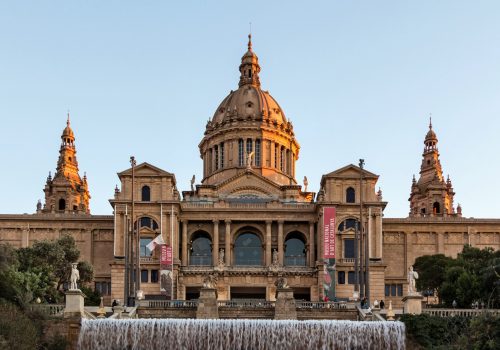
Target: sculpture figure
(281, 283)
(275, 258)
(75, 276)
(192, 183)
(210, 281)
(305, 183)
(249, 160)
(412, 277)
(221, 257)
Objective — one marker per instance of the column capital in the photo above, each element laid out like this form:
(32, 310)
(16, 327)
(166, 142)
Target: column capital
(215, 221)
(227, 221)
(184, 221)
(281, 222)
(269, 222)
(311, 222)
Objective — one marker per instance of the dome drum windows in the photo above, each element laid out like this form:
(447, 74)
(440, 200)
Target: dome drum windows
(257, 152)
(241, 155)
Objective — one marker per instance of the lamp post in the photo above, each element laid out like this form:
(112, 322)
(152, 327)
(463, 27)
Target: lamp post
(361, 237)
(366, 240)
(134, 248)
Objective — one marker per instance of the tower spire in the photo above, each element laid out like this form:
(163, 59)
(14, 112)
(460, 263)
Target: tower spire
(249, 67)
(67, 192)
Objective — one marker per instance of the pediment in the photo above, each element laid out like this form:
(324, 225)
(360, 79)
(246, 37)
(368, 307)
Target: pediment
(248, 185)
(145, 169)
(350, 171)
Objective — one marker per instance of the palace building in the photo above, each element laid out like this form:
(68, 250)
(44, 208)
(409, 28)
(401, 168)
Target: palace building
(248, 220)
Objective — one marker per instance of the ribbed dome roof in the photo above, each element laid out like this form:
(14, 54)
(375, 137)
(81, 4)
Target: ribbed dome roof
(249, 101)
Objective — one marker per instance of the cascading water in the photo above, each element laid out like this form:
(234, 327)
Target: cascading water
(239, 334)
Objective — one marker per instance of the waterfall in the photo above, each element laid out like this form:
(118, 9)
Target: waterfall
(188, 334)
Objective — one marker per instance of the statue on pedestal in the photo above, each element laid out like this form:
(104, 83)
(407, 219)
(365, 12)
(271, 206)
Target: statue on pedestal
(281, 283)
(249, 160)
(412, 277)
(75, 276)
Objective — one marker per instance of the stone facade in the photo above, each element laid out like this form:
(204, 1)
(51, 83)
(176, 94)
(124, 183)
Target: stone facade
(248, 220)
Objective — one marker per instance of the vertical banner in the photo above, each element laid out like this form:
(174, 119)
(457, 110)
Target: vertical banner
(329, 230)
(166, 271)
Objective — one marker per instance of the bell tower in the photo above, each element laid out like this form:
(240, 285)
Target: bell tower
(67, 192)
(431, 195)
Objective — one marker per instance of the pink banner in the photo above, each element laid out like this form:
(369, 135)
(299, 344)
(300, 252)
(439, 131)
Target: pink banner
(166, 255)
(329, 232)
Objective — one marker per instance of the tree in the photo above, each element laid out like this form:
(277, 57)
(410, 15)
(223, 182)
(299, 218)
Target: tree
(431, 270)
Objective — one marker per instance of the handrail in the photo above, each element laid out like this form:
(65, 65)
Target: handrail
(49, 309)
(459, 312)
(162, 304)
(324, 305)
(246, 303)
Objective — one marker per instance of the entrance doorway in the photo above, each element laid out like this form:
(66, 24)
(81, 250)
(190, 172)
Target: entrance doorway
(192, 293)
(248, 292)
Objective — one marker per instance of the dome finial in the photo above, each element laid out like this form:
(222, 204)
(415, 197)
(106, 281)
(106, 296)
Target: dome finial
(430, 121)
(67, 121)
(250, 42)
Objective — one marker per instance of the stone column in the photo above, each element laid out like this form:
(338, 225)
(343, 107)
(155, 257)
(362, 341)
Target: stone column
(312, 258)
(184, 243)
(268, 243)
(280, 242)
(228, 243)
(215, 244)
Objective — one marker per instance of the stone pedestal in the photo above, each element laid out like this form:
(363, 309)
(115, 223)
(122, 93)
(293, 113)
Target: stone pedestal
(413, 304)
(207, 304)
(285, 308)
(74, 304)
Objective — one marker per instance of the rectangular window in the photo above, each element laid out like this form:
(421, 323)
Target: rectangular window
(341, 277)
(349, 248)
(276, 155)
(154, 276)
(144, 276)
(400, 290)
(241, 156)
(104, 288)
(257, 152)
(249, 146)
(216, 151)
(222, 155)
(351, 277)
(387, 290)
(282, 158)
(393, 289)
(144, 249)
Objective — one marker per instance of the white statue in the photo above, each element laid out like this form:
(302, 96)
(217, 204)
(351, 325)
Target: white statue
(305, 183)
(75, 276)
(249, 160)
(412, 277)
(275, 258)
(192, 183)
(221, 257)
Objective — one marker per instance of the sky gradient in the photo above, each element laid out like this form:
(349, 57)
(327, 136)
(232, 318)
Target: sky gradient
(358, 79)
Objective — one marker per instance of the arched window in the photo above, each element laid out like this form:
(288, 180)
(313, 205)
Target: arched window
(201, 249)
(350, 195)
(146, 221)
(276, 155)
(144, 251)
(248, 250)
(348, 224)
(436, 208)
(257, 152)
(241, 155)
(146, 194)
(295, 250)
(282, 159)
(62, 204)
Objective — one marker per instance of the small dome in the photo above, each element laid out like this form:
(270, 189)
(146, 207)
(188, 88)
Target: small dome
(431, 135)
(68, 132)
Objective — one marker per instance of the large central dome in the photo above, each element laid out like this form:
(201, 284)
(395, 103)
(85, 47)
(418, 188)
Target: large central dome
(249, 123)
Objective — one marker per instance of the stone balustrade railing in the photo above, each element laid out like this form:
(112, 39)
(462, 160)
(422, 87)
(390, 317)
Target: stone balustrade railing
(324, 305)
(246, 303)
(459, 312)
(54, 310)
(162, 304)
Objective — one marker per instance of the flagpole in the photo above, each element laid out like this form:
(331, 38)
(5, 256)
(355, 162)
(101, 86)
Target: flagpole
(172, 249)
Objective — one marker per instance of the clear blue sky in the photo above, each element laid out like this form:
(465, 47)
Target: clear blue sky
(357, 78)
